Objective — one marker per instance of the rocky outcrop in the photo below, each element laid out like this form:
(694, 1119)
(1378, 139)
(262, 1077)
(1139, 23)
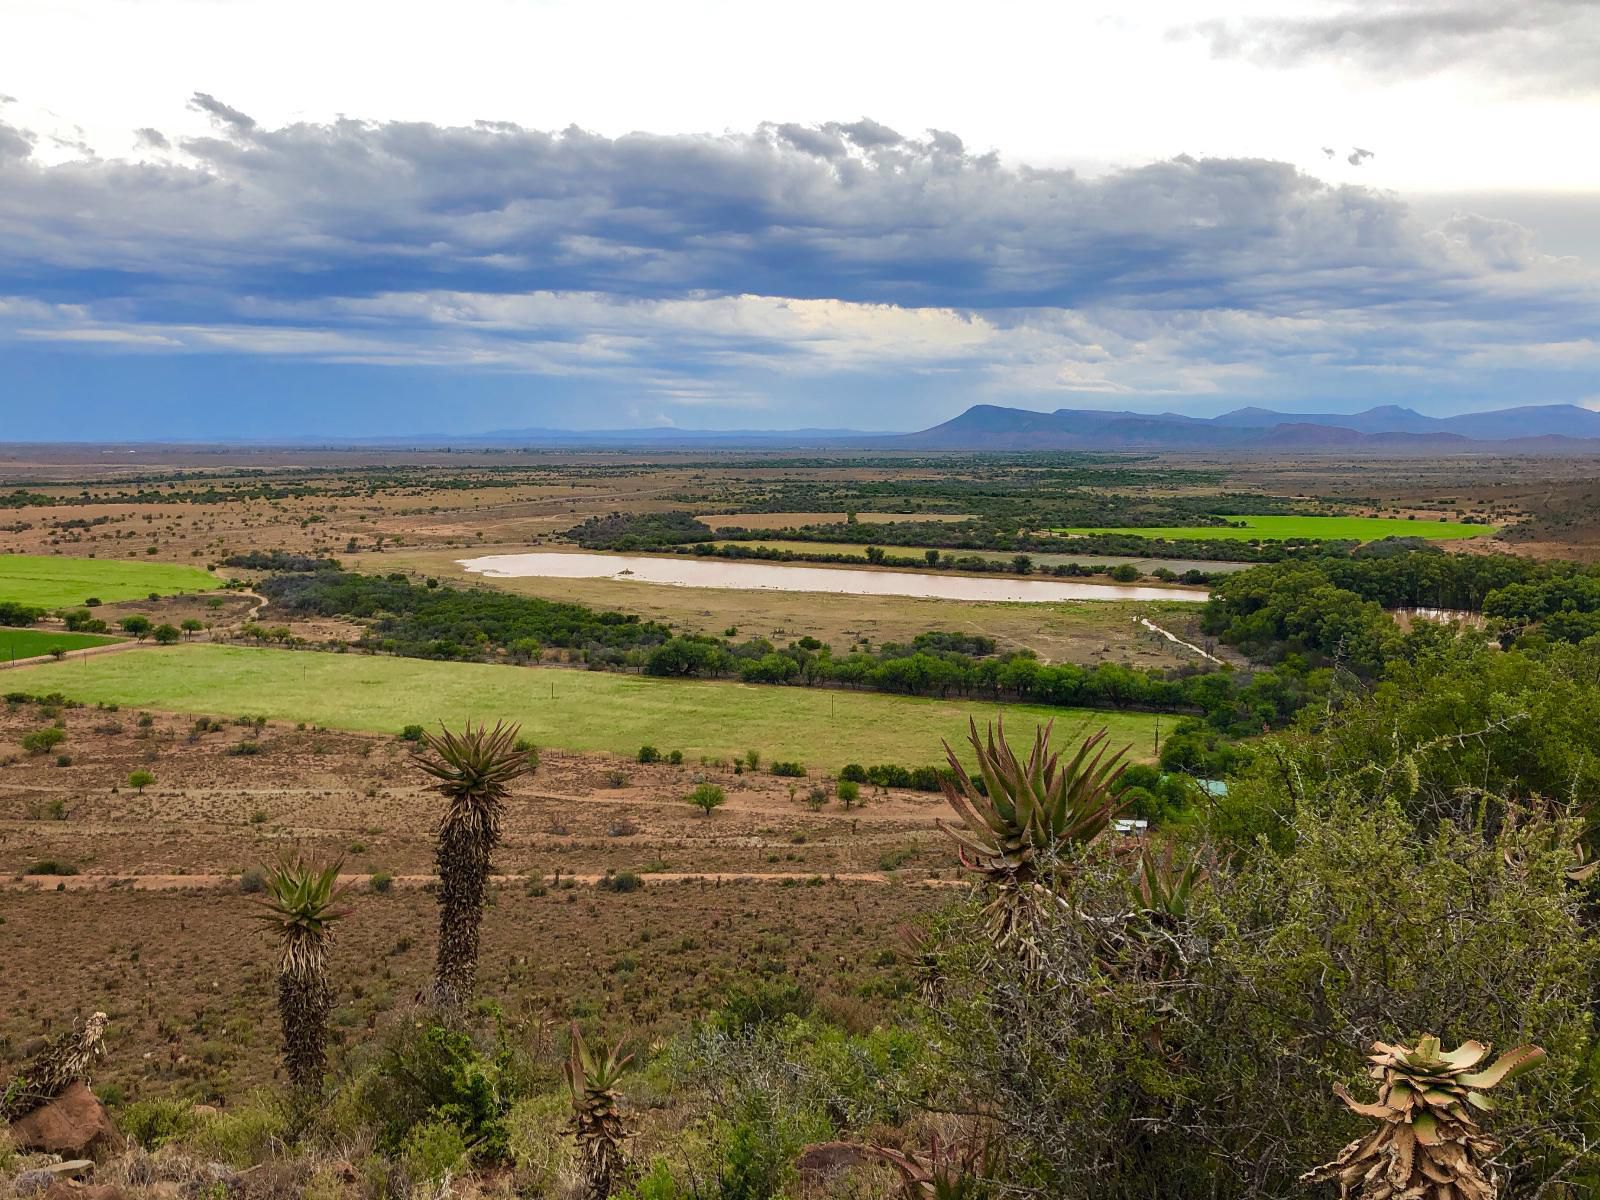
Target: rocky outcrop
(74, 1125)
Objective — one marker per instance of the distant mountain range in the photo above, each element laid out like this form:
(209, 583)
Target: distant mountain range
(1532, 429)
(1551, 428)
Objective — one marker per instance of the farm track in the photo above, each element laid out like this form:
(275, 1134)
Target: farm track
(175, 883)
(1178, 641)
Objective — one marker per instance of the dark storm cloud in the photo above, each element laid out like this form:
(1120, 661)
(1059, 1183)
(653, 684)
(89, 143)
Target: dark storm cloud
(228, 118)
(850, 211)
(1536, 45)
(14, 143)
(694, 268)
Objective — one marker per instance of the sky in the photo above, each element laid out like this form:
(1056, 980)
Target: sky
(229, 218)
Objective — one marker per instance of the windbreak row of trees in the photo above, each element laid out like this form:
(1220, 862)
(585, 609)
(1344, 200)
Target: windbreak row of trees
(933, 559)
(1016, 528)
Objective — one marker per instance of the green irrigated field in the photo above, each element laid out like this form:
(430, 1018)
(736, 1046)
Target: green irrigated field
(52, 582)
(572, 710)
(1303, 529)
(30, 643)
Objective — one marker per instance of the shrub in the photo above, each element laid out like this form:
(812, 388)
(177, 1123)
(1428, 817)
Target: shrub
(676, 758)
(381, 881)
(430, 1073)
(1364, 925)
(41, 741)
(788, 770)
(154, 1123)
(244, 749)
(887, 775)
(849, 792)
(617, 779)
(619, 881)
(432, 1150)
(252, 880)
(649, 754)
(243, 1135)
(411, 733)
(51, 866)
(761, 1002)
(853, 773)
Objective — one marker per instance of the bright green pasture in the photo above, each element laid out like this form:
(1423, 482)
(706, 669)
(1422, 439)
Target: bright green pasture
(1303, 529)
(566, 709)
(30, 643)
(49, 581)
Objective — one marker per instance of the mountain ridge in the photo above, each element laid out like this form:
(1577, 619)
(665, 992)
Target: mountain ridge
(1387, 427)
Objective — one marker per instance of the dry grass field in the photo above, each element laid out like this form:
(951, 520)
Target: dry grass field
(163, 938)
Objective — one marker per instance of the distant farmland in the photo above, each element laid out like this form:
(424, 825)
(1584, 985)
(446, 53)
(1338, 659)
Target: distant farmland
(52, 582)
(1302, 529)
(31, 643)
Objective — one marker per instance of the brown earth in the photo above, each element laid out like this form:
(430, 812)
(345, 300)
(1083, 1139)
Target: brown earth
(155, 928)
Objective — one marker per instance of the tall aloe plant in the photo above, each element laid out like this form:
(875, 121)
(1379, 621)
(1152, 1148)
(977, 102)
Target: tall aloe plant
(1025, 817)
(473, 770)
(1428, 1145)
(300, 903)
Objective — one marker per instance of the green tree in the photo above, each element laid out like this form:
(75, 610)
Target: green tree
(708, 796)
(166, 635)
(140, 779)
(138, 626)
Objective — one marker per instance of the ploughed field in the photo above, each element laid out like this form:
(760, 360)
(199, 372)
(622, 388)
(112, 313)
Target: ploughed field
(154, 927)
(821, 728)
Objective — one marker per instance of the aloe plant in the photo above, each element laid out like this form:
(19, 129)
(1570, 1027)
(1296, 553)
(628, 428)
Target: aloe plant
(473, 770)
(1428, 1145)
(1024, 818)
(1163, 887)
(300, 908)
(948, 1170)
(597, 1122)
(62, 1061)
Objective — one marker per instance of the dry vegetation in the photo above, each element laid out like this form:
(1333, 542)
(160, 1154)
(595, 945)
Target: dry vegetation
(157, 902)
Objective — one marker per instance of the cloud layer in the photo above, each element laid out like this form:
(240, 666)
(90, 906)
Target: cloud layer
(1532, 45)
(720, 272)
